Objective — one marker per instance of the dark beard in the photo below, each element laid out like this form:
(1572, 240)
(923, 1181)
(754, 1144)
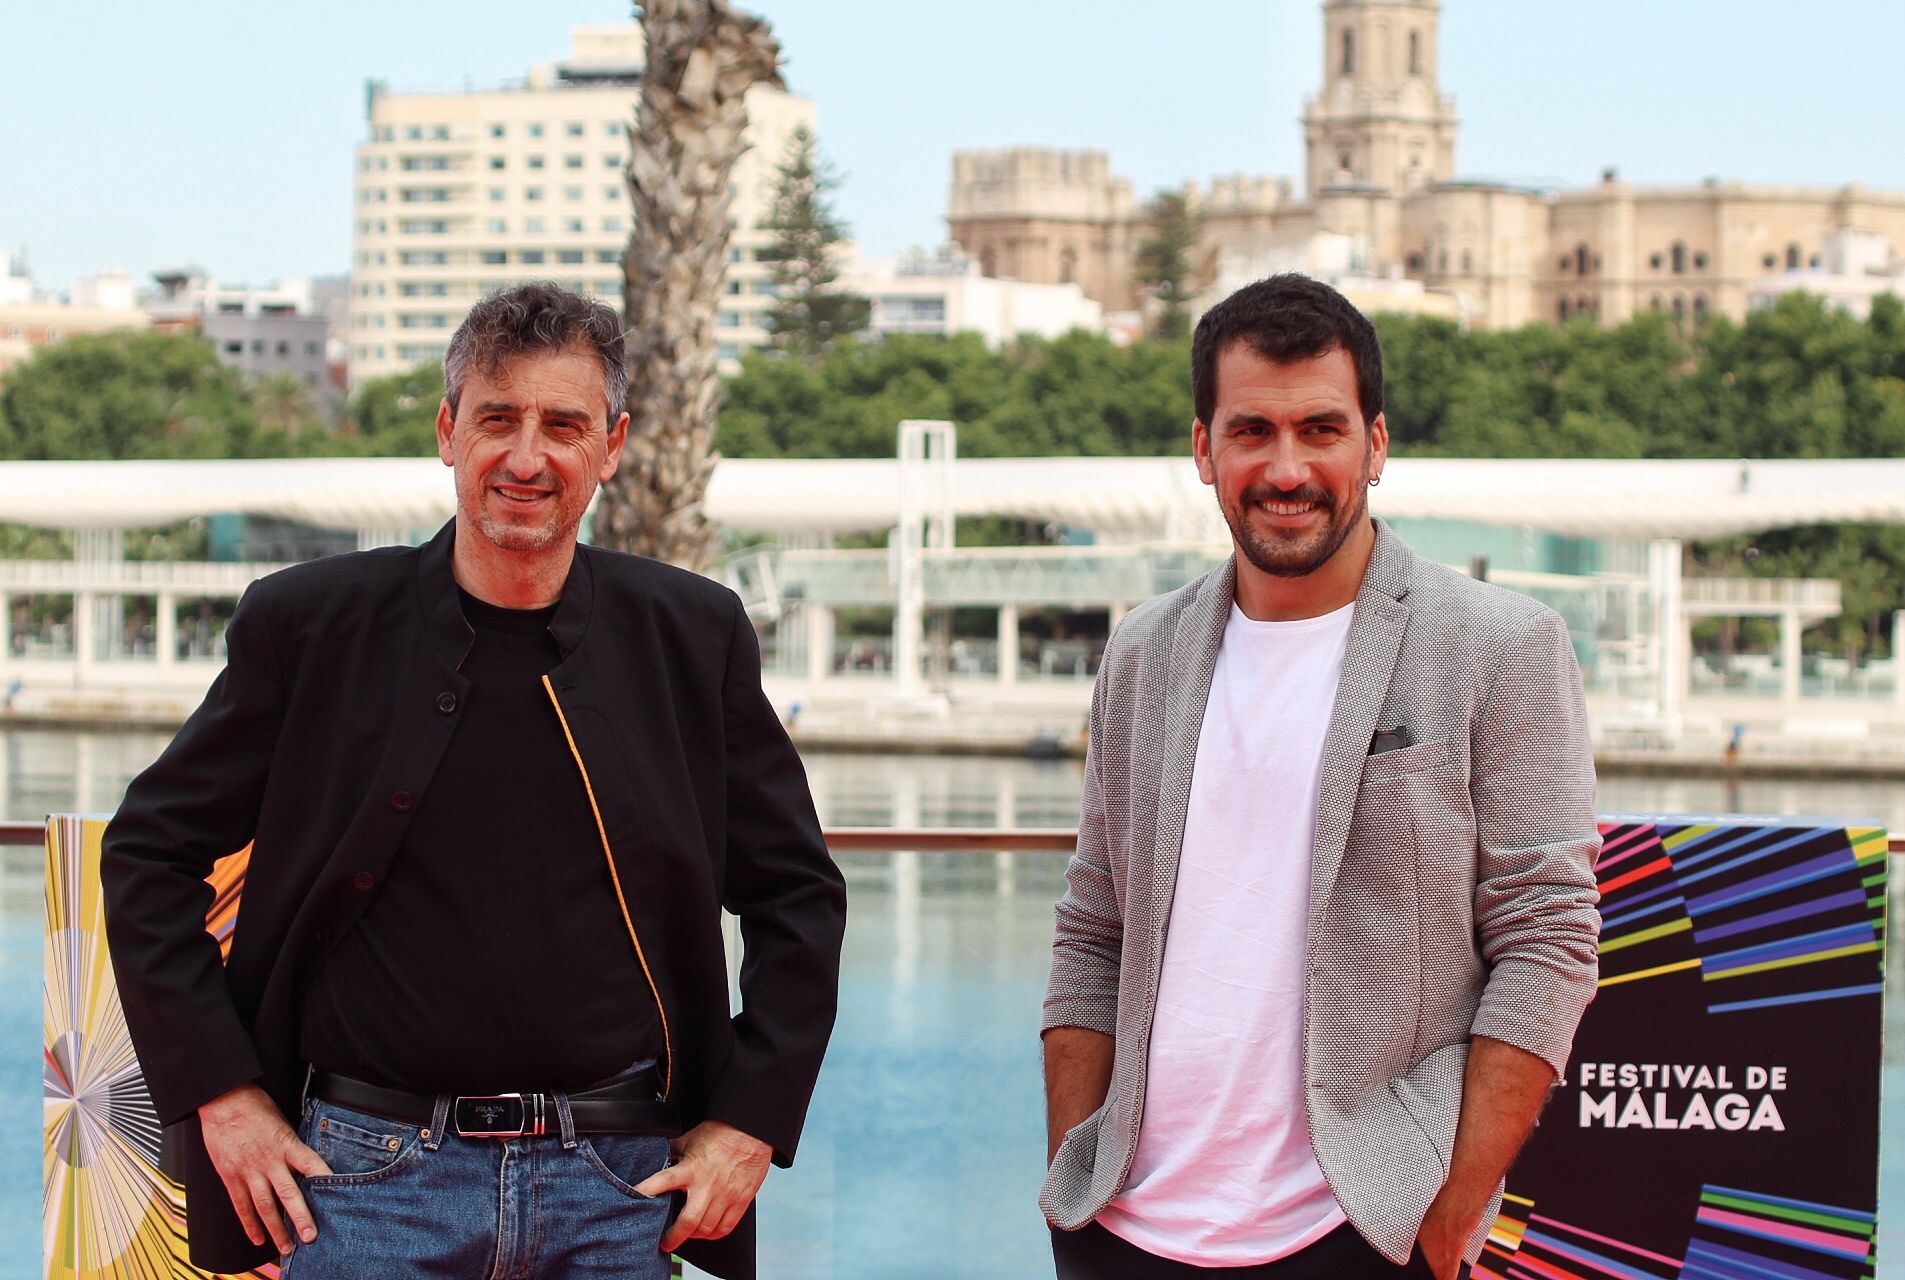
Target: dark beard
(1294, 557)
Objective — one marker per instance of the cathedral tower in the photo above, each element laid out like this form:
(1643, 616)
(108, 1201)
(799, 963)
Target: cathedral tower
(1380, 121)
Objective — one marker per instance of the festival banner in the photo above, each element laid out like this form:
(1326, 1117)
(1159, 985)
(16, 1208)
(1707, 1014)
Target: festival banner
(111, 1213)
(1720, 1117)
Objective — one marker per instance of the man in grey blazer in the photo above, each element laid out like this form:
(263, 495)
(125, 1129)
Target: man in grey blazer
(1331, 923)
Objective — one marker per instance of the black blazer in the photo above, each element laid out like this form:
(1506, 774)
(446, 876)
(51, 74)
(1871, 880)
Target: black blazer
(339, 696)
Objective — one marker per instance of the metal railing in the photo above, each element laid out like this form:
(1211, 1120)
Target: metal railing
(867, 839)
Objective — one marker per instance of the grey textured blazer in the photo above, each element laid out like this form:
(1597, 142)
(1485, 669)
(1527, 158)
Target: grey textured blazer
(1452, 889)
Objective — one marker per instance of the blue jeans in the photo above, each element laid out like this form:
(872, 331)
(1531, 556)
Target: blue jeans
(399, 1203)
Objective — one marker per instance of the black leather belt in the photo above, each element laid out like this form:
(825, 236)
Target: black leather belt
(626, 1106)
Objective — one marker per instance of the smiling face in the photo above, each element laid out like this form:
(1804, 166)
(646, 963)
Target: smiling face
(530, 441)
(1291, 459)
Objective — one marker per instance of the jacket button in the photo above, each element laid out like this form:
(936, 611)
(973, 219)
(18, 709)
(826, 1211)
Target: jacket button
(363, 880)
(446, 703)
(401, 801)
(320, 936)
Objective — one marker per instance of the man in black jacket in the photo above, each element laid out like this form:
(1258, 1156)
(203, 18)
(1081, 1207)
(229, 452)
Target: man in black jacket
(498, 789)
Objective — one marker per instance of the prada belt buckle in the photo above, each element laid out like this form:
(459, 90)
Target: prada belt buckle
(499, 1115)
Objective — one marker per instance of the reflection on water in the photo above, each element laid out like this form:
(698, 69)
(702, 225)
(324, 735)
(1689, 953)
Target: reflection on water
(923, 1149)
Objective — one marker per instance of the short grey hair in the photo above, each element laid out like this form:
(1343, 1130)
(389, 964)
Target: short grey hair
(532, 318)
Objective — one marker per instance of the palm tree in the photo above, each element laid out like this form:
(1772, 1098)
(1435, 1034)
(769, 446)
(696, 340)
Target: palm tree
(689, 130)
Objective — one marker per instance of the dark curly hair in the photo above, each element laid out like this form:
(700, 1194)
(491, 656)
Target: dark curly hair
(532, 318)
(1286, 318)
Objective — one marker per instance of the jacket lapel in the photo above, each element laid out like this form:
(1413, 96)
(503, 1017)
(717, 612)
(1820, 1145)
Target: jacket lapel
(1189, 664)
(1369, 662)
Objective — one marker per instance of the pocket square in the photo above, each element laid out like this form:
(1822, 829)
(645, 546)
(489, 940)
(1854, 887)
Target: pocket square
(1391, 740)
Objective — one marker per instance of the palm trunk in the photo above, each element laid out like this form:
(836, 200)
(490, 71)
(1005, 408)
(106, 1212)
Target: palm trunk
(688, 132)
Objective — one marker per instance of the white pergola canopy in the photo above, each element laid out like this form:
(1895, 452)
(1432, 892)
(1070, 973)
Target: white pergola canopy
(1120, 498)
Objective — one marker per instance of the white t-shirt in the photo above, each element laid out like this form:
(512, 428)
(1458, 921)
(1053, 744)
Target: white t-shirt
(1224, 1174)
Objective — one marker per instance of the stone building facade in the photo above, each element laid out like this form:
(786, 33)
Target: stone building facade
(1380, 143)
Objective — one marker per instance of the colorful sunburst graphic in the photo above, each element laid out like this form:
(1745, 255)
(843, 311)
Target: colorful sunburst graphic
(110, 1214)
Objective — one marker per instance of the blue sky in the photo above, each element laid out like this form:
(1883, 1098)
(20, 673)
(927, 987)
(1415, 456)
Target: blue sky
(140, 136)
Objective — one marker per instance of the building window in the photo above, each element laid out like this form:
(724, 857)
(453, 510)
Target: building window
(532, 193)
(612, 224)
(1699, 262)
(440, 132)
(1656, 262)
(536, 162)
(493, 257)
(575, 128)
(497, 226)
(535, 131)
(608, 255)
(497, 130)
(530, 257)
(284, 347)
(611, 161)
(732, 288)
(1414, 263)
(572, 193)
(572, 162)
(572, 224)
(1468, 262)
(1770, 262)
(1699, 308)
(727, 351)
(423, 258)
(413, 133)
(1679, 308)
(498, 162)
(234, 348)
(1655, 303)
(1563, 310)
(569, 257)
(1343, 159)
(1580, 260)
(728, 319)
(498, 194)
(1813, 262)
(1792, 257)
(1349, 53)
(535, 226)
(1415, 53)
(611, 193)
(1679, 259)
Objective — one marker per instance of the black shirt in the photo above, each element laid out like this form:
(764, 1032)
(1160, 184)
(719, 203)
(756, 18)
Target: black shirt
(494, 957)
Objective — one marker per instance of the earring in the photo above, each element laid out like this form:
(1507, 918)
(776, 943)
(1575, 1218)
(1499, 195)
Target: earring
(1374, 481)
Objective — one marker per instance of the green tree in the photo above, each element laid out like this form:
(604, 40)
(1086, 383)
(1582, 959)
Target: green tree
(809, 310)
(1165, 263)
(282, 403)
(129, 394)
(396, 415)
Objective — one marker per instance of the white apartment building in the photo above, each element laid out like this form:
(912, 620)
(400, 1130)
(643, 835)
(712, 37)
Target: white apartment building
(943, 292)
(1856, 267)
(460, 193)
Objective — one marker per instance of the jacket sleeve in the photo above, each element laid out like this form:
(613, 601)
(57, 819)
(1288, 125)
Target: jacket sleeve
(1088, 938)
(791, 901)
(197, 803)
(1532, 783)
